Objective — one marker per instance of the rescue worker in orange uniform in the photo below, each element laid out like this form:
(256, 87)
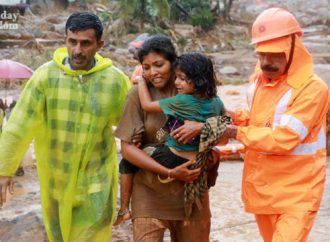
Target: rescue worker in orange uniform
(283, 130)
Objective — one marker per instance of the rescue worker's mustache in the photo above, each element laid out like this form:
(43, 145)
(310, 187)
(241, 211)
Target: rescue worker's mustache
(269, 68)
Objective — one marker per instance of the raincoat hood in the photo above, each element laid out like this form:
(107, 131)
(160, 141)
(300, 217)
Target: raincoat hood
(301, 68)
(61, 53)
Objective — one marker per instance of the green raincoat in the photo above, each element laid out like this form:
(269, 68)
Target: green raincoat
(70, 115)
(2, 116)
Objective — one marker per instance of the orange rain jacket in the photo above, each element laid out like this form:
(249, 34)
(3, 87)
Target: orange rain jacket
(284, 132)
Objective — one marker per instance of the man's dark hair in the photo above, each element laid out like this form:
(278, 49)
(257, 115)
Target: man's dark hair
(81, 21)
(159, 44)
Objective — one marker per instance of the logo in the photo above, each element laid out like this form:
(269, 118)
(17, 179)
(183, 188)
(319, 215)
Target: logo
(262, 28)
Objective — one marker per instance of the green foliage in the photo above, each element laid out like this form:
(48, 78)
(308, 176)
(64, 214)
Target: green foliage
(182, 9)
(127, 8)
(204, 19)
(104, 17)
(156, 30)
(34, 58)
(195, 12)
(161, 8)
(144, 10)
(182, 44)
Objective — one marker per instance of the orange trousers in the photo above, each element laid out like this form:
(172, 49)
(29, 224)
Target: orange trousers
(287, 227)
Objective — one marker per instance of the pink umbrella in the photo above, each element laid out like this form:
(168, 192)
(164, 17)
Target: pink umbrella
(14, 70)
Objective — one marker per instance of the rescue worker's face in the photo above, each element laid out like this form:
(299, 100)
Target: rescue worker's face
(156, 69)
(82, 46)
(272, 64)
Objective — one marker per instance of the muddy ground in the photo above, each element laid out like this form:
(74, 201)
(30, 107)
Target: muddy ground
(21, 220)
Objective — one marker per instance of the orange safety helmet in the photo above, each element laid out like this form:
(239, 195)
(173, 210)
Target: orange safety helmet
(274, 23)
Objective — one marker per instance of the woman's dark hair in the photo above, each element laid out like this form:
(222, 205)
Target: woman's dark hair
(159, 44)
(81, 21)
(199, 70)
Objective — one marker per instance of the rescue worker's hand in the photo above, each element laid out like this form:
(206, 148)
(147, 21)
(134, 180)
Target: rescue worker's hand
(187, 131)
(6, 183)
(230, 132)
(182, 172)
(137, 139)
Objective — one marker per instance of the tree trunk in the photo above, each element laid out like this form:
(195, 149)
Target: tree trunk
(143, 14)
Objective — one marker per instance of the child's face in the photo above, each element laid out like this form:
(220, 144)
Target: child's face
(183, 84)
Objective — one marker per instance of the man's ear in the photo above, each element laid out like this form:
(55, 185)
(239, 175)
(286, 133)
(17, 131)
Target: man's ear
(100, 44)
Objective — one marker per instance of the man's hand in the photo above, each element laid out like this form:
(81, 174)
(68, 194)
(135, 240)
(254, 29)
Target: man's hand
(187, 131)
(182, 172)
(6, 183)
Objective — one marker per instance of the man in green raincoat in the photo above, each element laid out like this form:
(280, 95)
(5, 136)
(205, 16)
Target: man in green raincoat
(69, 107)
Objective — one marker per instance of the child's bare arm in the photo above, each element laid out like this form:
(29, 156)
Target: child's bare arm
(145, 98)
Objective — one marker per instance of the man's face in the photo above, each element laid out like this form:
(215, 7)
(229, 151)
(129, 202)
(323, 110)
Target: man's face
(272, 64)
(82, 46)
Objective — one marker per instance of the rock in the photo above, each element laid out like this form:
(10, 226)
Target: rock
(43, 26)
(185, 30)
(60, 28)
(52, 35)
(232, 93)
(54, 19)
(317, 47)
(328, 132)
(37, 33)
(228, 70)
(28, 227)
(323, 70)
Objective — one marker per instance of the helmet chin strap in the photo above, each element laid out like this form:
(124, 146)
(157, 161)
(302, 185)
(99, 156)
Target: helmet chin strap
(293, 41)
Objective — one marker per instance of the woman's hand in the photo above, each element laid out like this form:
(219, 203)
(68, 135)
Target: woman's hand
(182, 172)
(137, 139)
(187, 131)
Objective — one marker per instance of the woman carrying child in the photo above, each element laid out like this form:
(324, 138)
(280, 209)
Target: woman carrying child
(157, 206)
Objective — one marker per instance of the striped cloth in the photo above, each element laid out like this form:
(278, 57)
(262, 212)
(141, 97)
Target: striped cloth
(211, 133)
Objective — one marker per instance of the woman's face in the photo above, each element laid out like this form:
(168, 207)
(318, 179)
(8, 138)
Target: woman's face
(156, 69)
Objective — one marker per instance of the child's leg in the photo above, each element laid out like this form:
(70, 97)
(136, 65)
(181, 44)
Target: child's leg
(127, 171)
(164, 156)
(126, 184)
